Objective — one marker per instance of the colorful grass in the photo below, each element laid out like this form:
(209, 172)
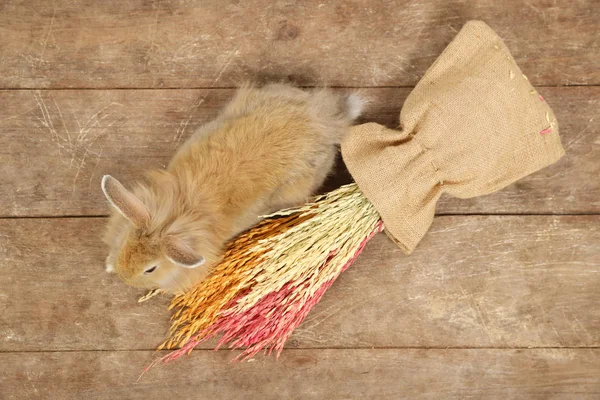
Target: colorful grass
(273, 275)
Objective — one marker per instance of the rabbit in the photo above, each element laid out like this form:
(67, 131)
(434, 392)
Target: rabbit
(269, 148)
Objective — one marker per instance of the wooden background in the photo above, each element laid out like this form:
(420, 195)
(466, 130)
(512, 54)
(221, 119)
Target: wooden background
(500, 301)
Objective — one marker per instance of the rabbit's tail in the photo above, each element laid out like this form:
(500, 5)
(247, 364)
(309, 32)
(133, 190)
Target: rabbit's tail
(354, 105)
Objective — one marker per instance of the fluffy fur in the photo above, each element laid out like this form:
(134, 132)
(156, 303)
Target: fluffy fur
(269, 148)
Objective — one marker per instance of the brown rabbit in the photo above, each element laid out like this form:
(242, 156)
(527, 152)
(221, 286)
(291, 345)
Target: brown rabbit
(270, 148)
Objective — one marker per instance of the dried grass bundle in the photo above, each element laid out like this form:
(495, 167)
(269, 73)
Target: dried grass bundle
(272, 276)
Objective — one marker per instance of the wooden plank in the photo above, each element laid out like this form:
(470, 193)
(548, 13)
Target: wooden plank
(309, 374)
(496, 281)
(56, 145)
(176, 44)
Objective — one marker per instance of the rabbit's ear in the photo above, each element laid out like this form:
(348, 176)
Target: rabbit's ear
(125, 202)
(180, 253)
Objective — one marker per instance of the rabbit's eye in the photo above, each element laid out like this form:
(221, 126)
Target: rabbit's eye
(150, 270)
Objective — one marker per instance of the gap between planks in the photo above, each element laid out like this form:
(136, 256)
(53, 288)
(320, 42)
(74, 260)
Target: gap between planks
(25, 89)
(100, 216)
(293, 349)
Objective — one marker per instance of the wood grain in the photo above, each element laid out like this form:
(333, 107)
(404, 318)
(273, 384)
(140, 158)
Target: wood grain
(495, 281)
(179, 44)
(309, 374)
(56, 145)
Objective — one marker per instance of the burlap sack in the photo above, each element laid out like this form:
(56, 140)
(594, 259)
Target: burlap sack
(472, 125)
